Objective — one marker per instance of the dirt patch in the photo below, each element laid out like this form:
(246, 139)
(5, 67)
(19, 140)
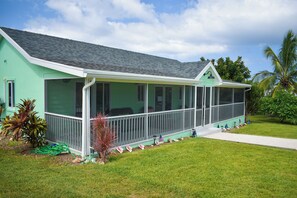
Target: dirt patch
(23, 148)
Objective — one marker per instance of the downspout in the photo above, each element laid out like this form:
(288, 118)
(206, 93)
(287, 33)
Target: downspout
(85, 116)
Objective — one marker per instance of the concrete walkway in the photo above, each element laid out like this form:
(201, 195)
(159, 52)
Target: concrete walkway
(255, 139)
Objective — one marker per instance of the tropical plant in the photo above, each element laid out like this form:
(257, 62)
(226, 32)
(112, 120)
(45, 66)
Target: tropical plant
(25, 124)
(103, 137)
(231, 70)
(253, 98)
(282, 106)
(284, 75)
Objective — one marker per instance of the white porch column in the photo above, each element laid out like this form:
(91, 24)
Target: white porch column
(195, 105)
(184, 104)
(210, 105)
(146, 109)
(93, 101)
(86, 117)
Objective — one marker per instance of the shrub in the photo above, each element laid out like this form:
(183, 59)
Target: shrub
(103, 137)
(283, 106)
(253, 98)
(25, 124)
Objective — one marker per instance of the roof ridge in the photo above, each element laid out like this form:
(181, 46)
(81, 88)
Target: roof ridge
(84, 42)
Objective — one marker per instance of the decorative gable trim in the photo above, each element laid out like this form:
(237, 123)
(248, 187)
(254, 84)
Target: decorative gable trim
(216, 74)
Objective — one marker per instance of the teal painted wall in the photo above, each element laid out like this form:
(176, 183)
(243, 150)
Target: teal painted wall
(125, 95)
(230, 122)
(29, 78)
(204, 81)
(61, 96)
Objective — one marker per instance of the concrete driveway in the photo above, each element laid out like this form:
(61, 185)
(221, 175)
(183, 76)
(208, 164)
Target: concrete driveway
(255, 139)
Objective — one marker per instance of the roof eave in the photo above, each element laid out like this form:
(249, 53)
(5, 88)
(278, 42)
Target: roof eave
(123, 76)
(234, 85)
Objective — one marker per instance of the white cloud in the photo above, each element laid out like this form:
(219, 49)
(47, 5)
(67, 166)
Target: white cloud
(208, 27)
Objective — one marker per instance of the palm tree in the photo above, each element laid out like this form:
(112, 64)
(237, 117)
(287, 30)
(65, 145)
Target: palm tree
(284, 75)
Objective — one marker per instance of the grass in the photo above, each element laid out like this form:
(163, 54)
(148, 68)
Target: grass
(268, 126)
(192, 168)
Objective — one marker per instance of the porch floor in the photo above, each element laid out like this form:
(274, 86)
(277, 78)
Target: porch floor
(255, 139)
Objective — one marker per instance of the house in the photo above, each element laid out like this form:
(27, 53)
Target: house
(142, 95)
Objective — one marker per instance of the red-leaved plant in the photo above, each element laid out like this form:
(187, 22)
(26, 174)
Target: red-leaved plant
(103, 137)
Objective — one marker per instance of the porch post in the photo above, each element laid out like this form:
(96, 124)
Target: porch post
(146, 110)
(195, 105)
(184, 104)
(210, 105)
(86, 117)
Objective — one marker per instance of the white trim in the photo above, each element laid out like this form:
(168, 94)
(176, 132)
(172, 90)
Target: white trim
(63, 116)
(195, 106)
(142, 114)
(234, 85)
(138, 77)
(209, 65)
(86, 117)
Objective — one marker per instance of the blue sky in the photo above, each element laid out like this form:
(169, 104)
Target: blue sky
(181, 29)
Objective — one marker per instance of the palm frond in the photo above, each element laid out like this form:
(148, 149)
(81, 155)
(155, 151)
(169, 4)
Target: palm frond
(268, 82)
(287, 53)
(277, 88)
(276, 62)
(262, 75)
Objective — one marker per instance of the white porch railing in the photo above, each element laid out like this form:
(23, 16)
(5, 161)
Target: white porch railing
(133, 128)
(66, 129)
(227, 111)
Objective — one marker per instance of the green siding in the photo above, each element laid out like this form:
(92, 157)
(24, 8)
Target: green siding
(204, 81)
(124, 95)
(61, 96)
(29, 78)
(230, 122)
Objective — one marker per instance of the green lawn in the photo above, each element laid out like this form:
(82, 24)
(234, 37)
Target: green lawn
(268, 126)
(191, 168)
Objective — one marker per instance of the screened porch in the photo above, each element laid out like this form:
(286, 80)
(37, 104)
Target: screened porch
(136, 111)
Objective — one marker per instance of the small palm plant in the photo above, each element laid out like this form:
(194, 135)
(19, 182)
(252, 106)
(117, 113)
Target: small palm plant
(25, 124)
(284, 75)
(103, 137)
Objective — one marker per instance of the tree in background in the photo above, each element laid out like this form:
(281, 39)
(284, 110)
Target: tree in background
(253, 99)
(284, 75)
(231, 70)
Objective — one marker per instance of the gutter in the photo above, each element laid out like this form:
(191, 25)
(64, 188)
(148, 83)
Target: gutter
(86, 116)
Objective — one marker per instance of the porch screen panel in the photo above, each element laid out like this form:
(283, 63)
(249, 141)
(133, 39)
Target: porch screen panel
(238, 109)
(226, 103)
(207, 105)
(199, 112)
(238, 95)
(226, 95)
(225, 112)
(215, 107)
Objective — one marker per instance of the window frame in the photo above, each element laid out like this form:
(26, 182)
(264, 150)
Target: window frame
(140, 93)
(11, 93)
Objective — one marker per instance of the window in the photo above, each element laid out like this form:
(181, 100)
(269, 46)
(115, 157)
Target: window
(11, 94)
(226, 95)
(238, 95)
(180, 93)
(140, 93)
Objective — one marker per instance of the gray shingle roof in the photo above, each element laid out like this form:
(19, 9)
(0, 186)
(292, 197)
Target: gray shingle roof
(98, 57)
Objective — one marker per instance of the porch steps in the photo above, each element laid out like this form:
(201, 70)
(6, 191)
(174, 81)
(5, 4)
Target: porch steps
(201, 132)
